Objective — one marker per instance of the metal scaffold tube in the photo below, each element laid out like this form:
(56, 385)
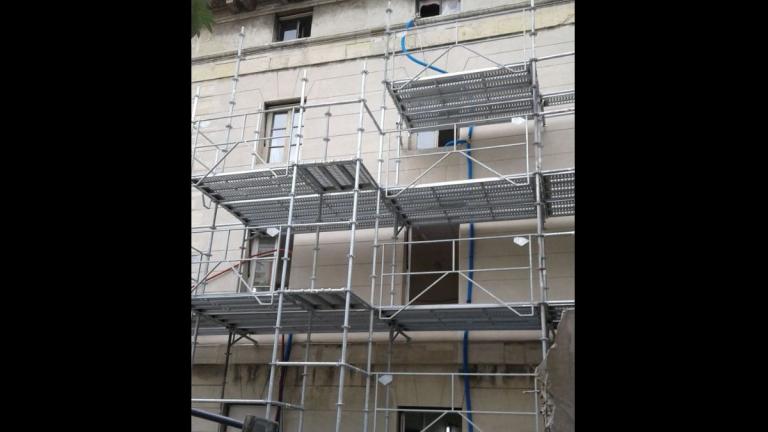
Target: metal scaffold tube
(195, 125)
(194, 337)
(304, 373)
(194, 104)
(376, 246)
(312, 282)
(224, 406)
(209, 252)
(245, 264)
(225, 421)
(327, 137)
(256, 139)
(351, 256)
(232, 98)
(391, 339)
(286, 252)
(393, 264)
(540, 219)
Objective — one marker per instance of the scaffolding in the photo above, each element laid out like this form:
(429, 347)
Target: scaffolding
(301, 196)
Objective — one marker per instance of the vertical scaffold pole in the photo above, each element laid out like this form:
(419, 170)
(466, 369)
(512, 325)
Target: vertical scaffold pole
(209, 252)
(195, 126)
(286, 251)
(393, 264)
(327, 137)
(232, 102)
(540, 212)
(389, 369)
(376, 246)
(351, 256)
(304, 373)
(225, 407)
(194, 104)
(540, 198)
(194, 337)
(194, 150)
(245, 261)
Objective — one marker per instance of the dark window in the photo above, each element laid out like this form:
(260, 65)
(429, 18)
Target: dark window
(429, 10)
(417, 421)
(433, 260)
(294, 26)
(444, 137)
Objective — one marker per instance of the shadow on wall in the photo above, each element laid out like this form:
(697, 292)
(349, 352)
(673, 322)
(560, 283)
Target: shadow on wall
(560, 369)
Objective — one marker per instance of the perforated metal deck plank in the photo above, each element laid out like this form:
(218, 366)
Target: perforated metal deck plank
(481, 96)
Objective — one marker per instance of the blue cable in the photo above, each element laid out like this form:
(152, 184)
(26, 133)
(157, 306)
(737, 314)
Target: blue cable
(286, 357)
(288, 346)
(470, 285)
(411, 57)
(450, 143)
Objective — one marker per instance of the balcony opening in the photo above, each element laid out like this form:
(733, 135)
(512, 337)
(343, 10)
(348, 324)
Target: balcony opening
(429, 261)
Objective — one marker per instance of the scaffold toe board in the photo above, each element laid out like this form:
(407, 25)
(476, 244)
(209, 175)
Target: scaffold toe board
(488, 95)
(482, 200)
(245, 313)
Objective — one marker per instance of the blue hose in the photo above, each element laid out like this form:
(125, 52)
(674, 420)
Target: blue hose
(470, 285)
(288, 347)
(411, 57)
(450, 143)
(286, 357)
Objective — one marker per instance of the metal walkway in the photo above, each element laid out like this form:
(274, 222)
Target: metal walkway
(258, 316)
(261, 197)
(221, 312)
(482, 200)
(483, 96)
(258, 198)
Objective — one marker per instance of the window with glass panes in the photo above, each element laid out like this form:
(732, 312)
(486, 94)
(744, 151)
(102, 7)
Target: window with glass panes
(294, 26)
(283, 125)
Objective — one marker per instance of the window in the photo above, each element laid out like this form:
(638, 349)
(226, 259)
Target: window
(266, 273)
(430, 8)
(282, 127)
(432, 259)
(416, 421)
(294, 26)
(432, 139)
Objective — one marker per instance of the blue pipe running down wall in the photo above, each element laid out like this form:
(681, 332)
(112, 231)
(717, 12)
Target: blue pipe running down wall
(410, 56)
(286, 357)
(471, 259)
